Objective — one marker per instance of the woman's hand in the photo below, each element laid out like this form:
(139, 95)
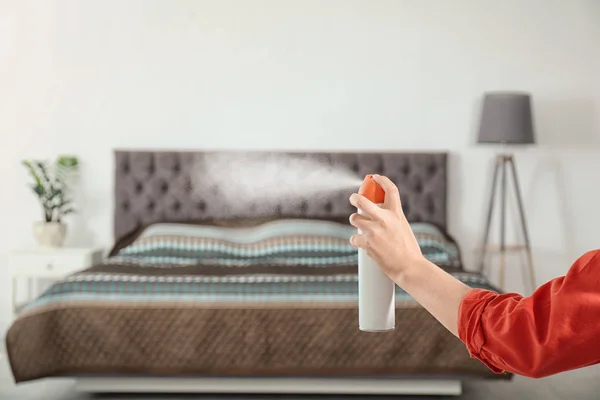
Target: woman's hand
(388, 239)
(385, 233)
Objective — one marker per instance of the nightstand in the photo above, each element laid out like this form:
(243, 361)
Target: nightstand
(47, 263)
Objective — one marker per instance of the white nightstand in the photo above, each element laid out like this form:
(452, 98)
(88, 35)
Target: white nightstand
(47, 263)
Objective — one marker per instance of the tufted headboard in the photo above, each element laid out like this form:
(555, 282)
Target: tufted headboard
(154, 186)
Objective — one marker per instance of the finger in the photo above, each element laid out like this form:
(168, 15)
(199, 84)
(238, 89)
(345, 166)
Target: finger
(361, 222)
(359, 241)
(392, 194)
(366, 206)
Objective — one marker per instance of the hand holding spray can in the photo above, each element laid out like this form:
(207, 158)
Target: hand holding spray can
(376, 291)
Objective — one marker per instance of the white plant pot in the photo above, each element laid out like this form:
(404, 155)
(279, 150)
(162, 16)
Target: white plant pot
(50, 234)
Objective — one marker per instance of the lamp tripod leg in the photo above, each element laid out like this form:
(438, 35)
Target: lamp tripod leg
(502, 222)
(523, 224)
(490, 211)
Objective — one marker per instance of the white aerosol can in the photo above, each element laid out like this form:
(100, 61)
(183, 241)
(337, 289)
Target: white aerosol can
(376, 291)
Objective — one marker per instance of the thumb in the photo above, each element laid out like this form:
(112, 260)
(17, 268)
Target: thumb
(392, 194)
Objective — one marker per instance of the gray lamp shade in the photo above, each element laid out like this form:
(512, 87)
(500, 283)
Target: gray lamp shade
(506, 117)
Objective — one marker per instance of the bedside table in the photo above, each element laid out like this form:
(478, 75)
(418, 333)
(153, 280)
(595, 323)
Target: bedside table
(47, 263)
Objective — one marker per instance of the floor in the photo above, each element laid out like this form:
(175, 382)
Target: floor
(577, 385)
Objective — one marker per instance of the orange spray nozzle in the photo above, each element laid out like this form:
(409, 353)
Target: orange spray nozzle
(372, 191)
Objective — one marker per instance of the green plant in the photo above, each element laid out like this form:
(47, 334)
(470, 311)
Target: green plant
(51, 185)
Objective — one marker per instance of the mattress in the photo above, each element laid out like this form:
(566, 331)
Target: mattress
(273, 299)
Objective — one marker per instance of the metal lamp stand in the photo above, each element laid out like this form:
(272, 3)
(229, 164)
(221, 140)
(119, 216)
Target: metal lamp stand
(502, 162)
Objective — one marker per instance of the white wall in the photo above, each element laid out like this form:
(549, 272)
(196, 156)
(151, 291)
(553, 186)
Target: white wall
(85, 77)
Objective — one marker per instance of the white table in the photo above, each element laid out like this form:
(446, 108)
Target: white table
(34, 264)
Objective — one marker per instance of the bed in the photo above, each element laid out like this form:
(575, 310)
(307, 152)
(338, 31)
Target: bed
(197, 296)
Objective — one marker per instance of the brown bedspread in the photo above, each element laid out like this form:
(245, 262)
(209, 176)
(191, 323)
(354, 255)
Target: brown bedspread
(174, 306)
(221, 339)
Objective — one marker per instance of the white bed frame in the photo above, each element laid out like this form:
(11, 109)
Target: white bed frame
(360, 386)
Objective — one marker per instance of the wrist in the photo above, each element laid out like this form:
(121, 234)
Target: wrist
(411, 271)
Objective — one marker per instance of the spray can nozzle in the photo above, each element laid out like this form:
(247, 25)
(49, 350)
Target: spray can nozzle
(372, 191)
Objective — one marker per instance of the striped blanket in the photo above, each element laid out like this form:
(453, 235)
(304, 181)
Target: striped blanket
(275, 298)
(289, 242)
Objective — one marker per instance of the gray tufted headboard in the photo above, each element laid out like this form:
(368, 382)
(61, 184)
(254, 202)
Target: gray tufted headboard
(153, 186)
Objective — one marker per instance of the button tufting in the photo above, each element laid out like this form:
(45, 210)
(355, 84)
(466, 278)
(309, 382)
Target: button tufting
(432, 169)
(143, 191)
(431, 208)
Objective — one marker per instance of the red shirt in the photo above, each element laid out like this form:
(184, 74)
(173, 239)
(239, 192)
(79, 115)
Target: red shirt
(556, 329)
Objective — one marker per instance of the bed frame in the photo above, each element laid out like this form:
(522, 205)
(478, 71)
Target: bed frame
(154, 186)
(259, 385)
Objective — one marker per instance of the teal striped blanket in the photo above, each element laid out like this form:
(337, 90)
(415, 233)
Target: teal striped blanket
(280, 242)
(281, 260)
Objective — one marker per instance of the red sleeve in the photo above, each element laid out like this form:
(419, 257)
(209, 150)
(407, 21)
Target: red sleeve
(556, 329)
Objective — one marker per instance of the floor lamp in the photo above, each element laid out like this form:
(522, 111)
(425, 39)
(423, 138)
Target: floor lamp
(506, 119)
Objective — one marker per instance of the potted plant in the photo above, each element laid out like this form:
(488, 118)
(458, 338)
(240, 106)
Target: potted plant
(50, 185)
